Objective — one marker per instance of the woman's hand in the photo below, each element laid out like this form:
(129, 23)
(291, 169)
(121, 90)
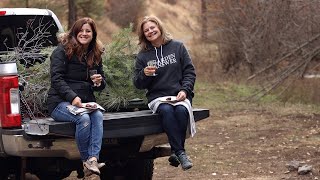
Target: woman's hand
(77, 102)
(182, 95)
(96, 79)
(149, 71)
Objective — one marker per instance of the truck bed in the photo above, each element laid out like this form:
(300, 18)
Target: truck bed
(116, 124)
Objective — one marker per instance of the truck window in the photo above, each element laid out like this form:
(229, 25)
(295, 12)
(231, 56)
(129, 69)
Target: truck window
(27, 32)
(6, 38)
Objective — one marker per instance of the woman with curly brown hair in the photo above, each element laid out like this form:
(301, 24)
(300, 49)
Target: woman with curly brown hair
(79, 52)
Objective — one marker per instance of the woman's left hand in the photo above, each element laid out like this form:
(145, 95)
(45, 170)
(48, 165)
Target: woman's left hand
(182, 95)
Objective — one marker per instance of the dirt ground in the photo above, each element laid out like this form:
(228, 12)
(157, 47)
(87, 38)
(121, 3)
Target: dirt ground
(250, 145)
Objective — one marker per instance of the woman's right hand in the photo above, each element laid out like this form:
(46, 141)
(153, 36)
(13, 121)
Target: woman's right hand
(77, 102)
(149, 70)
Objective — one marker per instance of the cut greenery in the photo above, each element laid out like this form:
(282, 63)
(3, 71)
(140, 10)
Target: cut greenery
(119, 61)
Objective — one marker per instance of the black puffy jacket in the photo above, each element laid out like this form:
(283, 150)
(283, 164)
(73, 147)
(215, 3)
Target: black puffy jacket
(70, 78)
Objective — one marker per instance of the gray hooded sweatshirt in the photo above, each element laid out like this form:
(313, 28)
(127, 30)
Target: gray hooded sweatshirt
(175, 71)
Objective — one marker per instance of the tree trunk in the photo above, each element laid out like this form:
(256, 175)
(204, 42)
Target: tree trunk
(204, 28)
(72, 13)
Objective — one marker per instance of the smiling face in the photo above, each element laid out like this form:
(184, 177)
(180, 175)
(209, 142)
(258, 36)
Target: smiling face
(85, 35)
(152, 33)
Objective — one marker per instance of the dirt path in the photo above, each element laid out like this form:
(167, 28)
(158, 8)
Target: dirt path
(249, 145)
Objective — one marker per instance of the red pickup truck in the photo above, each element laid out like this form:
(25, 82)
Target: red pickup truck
(41, 146)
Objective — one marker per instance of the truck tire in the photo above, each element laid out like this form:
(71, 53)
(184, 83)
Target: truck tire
(53, 176)
(52, 168)
(10, 168)
(140, 169)
(137, 169)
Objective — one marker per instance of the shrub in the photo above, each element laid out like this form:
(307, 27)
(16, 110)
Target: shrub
(119, 61)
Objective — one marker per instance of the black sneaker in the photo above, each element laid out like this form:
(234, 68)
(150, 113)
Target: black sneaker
(184, 161)
(173, 159)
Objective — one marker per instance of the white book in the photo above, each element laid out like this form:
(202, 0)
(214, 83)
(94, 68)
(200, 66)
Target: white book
(86, 108)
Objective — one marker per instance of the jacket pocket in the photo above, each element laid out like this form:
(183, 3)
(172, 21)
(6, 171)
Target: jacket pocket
(84, 91)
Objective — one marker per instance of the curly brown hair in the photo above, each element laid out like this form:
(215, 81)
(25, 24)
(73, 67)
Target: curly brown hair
(72, 46)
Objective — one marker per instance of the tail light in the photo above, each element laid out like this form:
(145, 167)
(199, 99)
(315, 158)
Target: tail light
(2, 13)
(9, 100)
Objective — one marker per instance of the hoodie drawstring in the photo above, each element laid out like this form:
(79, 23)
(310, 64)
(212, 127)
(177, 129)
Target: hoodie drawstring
(158, 60)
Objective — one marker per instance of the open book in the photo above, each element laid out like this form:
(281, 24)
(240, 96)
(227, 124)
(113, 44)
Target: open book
(170, 99)
(86, 108)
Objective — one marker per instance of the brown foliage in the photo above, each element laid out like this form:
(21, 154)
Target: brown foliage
(259, 32)
(273, 40)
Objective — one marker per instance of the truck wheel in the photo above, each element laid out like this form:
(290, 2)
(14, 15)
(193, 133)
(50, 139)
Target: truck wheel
(10, 168)
(138, 169)
(53, 176)
(52, 168)
(9, 174)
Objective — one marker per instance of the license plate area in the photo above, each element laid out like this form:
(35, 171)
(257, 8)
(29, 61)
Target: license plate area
(110, 141)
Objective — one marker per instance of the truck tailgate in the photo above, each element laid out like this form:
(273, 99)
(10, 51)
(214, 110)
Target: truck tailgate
(115, 125)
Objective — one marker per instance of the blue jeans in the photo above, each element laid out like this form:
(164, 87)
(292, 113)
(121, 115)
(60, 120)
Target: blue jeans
(175, 121)
(89, 129)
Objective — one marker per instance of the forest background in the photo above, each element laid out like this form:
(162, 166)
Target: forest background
(272, 43)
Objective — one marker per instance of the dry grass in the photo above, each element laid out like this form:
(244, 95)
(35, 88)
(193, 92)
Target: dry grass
(247, 141)
(303, 91)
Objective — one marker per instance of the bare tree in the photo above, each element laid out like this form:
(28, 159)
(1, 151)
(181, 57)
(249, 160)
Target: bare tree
(72, 16)
(75, 8)
(31, 54)
(274, 40)
(126, 12)
(204, 23)
(30, 41)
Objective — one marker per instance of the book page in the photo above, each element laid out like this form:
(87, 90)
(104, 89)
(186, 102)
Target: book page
(86, 108)
(92, 105)
(171, 99)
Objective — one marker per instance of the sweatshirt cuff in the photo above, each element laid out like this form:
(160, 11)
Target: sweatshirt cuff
(70, 97)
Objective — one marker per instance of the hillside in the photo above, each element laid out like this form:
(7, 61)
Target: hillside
(180, 17)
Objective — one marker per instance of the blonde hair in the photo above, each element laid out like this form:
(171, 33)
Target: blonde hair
(142, 38)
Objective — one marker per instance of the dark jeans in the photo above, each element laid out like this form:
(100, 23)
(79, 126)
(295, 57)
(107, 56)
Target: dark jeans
(175, 121)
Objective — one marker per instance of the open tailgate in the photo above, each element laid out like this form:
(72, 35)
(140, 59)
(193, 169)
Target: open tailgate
(115, 125)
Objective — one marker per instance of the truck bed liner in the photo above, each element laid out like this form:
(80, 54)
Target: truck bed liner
(116, 125)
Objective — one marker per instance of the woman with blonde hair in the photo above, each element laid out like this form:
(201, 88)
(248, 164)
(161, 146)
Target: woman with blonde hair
(164, 67)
